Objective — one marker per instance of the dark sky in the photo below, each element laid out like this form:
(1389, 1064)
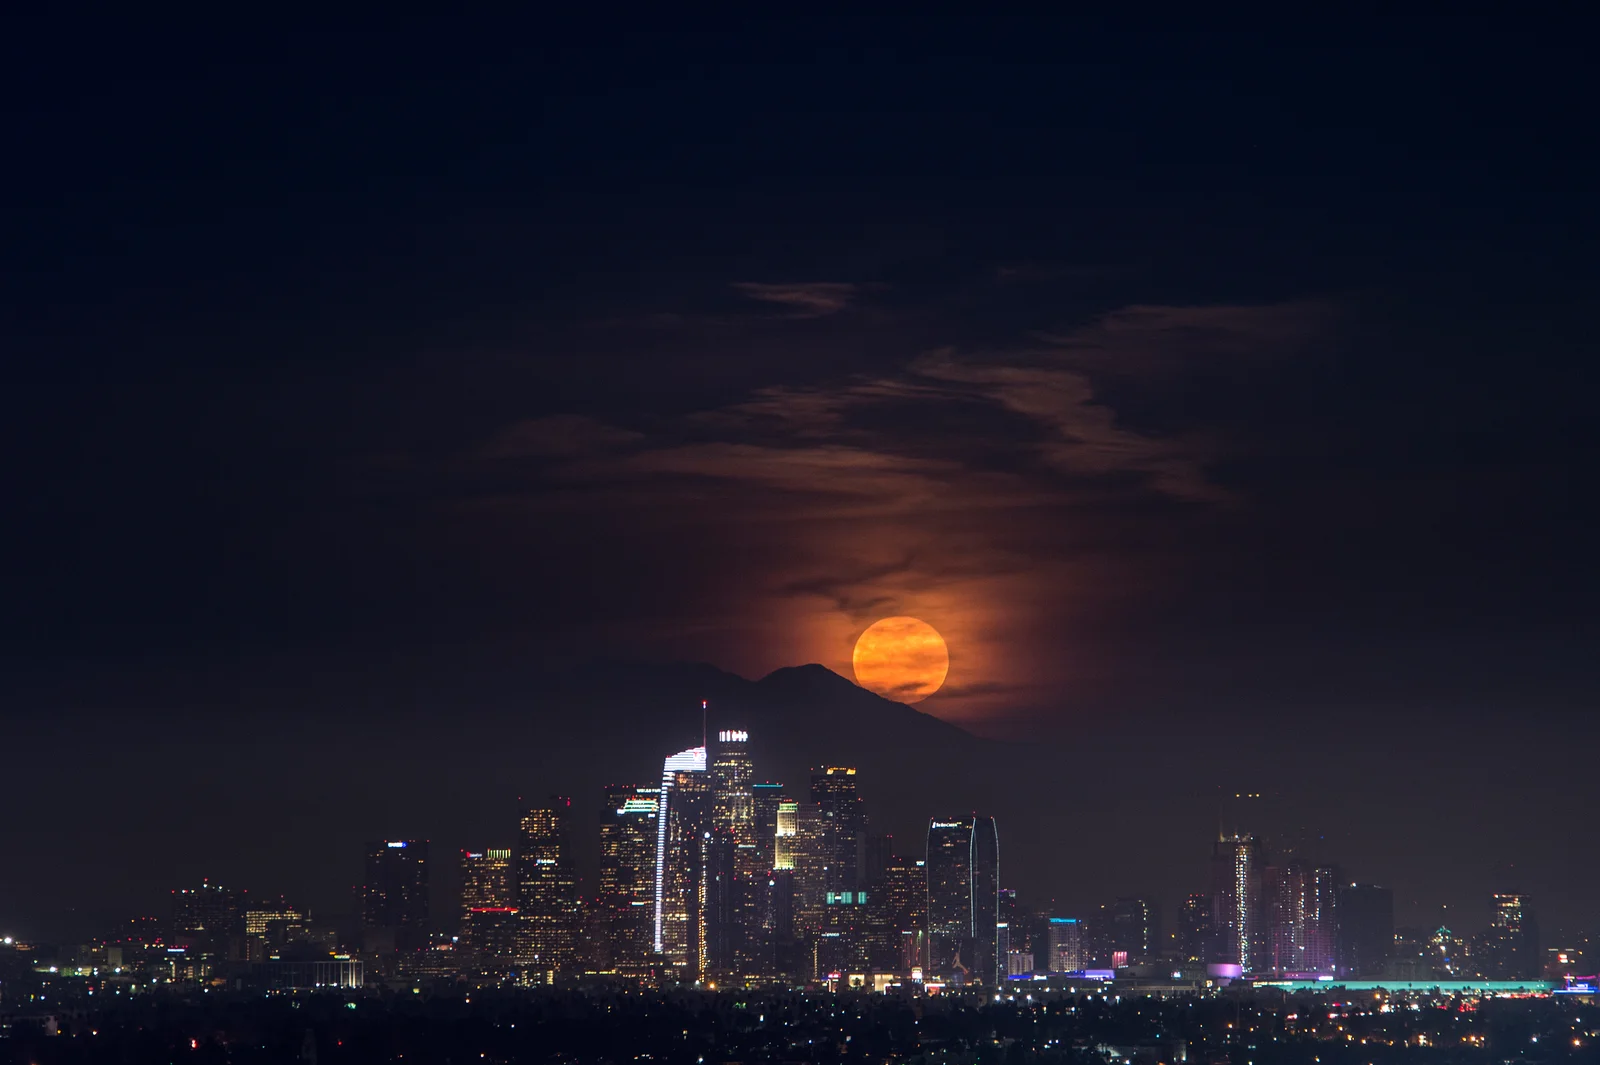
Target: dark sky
(1235, 384)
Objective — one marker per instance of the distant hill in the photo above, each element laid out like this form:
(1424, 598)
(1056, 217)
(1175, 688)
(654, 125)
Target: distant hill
(271, 776)
(616, 722)
(797, 717)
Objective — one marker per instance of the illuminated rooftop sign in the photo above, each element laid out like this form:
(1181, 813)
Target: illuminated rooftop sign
(948, 824)
(398, 843)
(739, 736)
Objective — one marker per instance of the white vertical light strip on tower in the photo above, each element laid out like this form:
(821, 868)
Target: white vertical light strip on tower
(972, 879)
(999, 956)
(1241, 906)
(927, 884)
(691, 761)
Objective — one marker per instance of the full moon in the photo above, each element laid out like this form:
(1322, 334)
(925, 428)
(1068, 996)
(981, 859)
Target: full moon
(904, 659)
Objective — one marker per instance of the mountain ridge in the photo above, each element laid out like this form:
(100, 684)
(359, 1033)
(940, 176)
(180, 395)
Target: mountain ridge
(460, 747)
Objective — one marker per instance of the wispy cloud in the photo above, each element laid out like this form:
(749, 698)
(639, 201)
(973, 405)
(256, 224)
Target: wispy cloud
(1081, 435)
(900, 443)
(804, 299)
(958, 487)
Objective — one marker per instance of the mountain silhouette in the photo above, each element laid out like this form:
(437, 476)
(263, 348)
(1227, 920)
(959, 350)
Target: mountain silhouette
(456, 747)
(798, 719)
(272, 775)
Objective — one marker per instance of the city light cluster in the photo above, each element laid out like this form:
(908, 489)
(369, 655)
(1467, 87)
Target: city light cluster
(711, 878)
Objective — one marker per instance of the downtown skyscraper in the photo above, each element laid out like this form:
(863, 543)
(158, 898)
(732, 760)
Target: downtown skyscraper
(488, 909)
(1365, 936)
(395, 897)
(209, 918)
(1064, 946)
(1135, 931)
(627, 875)
(898, 907)
(1510, 948)
(1236, 901)
(547, 889)
(1194, 929)
(736, 861)
(963, 870)
(843, 826)
(820, 841)
(803, 846)
(683, 816)
(1299, 910)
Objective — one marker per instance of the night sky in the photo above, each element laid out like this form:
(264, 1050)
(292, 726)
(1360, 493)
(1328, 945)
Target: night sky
(1224, 399)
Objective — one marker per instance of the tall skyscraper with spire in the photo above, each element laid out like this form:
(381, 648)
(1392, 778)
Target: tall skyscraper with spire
(682, 822)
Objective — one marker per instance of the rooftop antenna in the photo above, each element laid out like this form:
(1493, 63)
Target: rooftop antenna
(704, 710)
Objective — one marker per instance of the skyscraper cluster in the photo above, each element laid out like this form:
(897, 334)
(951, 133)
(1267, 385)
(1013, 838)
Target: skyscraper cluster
(1293, 917)
(708, 874)
(1278, 918)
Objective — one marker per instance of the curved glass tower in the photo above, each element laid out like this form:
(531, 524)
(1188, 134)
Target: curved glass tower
(676, 823)
(963, 867)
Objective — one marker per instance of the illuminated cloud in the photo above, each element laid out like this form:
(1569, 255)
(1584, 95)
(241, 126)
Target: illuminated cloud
(1082, 435)
(965, 487)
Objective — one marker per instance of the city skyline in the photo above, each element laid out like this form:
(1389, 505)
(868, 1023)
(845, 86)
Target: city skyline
(1154, 454)
(1179, 869)
(701, 884)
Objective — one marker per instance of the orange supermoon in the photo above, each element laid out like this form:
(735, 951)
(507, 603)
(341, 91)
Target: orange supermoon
(904, 659)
